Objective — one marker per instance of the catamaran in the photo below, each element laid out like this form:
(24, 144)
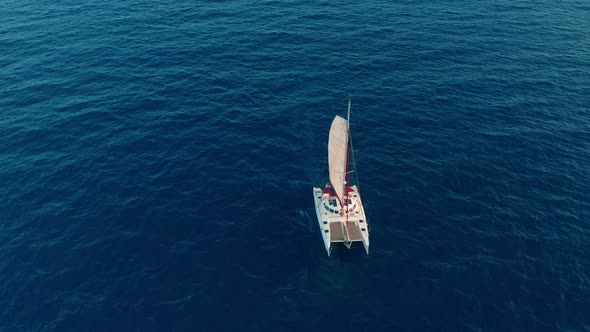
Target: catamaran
(338, 205)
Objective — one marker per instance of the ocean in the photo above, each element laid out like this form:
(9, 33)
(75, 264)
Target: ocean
(157, 160)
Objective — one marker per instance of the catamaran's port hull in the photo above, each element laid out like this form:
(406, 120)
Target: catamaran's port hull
(335, 227)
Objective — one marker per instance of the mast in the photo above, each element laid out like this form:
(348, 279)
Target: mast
(348, 114)
(346, 185)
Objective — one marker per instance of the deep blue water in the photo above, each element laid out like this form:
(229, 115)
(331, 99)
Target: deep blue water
(157, 160)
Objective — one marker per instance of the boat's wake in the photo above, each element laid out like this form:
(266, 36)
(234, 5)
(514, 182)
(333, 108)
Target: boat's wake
(304, 219)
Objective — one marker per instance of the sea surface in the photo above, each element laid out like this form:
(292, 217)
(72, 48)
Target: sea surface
(157, 160)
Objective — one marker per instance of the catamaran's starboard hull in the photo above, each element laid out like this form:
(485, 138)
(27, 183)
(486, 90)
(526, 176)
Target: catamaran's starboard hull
(336, 227)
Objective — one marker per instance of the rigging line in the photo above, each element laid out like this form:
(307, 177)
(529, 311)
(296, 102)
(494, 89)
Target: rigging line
(355, 175)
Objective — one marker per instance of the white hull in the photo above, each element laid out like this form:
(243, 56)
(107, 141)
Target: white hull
(335, 225)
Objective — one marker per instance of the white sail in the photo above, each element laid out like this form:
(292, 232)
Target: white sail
(337, 154)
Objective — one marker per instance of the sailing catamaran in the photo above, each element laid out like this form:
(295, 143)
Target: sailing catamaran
(338, 206)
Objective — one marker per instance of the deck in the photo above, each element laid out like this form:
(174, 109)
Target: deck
(337, 234)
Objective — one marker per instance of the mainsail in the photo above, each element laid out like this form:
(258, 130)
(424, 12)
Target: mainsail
(337, 155)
